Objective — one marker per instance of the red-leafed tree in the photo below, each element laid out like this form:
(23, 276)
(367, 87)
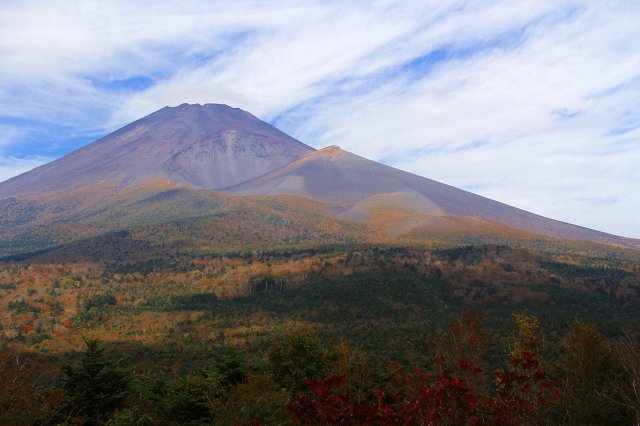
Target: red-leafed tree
(454, 392)
(523, 391)
(448, 397)
(329, 405)
(24, 400)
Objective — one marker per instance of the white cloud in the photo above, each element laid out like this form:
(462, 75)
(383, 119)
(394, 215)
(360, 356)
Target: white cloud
(533, 103)
(10, 167)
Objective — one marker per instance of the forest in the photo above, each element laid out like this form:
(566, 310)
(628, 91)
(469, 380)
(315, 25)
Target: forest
(353, 334)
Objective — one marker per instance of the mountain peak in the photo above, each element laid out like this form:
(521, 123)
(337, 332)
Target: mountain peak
(209, 110)
(331, 149)
(206, 146)
(208, 106)
(331, 152)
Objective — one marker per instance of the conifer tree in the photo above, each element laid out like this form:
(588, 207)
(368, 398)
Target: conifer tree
(94, 387)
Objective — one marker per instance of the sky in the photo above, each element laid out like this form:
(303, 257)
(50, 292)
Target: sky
(532, 103)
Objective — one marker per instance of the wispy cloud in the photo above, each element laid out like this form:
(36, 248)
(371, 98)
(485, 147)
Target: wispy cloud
(10, 167)
(533, 103)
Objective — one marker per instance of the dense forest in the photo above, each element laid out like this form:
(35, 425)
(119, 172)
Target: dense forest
(359, 334)
(302, 379)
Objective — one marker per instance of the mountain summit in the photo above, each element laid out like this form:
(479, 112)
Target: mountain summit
(205, 146)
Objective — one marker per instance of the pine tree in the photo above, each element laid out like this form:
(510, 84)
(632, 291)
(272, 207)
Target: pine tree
(94, 387)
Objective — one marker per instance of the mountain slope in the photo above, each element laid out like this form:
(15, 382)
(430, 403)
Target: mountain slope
(356, 188)
(165, 167)
(146, 221)
(205, 146)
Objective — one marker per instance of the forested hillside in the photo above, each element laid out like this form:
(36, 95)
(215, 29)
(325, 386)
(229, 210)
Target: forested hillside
(389, 309)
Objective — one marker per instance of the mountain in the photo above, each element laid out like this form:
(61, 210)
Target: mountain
(194, 162)
(204, 146)
(359, 189)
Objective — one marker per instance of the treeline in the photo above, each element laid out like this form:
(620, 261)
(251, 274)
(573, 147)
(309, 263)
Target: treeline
(303, 379)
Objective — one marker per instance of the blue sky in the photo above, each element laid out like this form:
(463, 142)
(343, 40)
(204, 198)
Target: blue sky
(532, 103)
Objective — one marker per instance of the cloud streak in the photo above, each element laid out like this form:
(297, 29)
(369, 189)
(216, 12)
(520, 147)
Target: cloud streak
(531, 103)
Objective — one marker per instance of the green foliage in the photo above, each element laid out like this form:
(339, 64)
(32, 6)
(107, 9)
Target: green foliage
(127, 417)
(296, 356)
(21, 305)
(231, 368)
(588, 367)
(261, 398)
(202, 327)
(609, 275)
(467, 254)
(194, 301)
(192, 398)
(596, 384)
(100, 300)
(94, 387)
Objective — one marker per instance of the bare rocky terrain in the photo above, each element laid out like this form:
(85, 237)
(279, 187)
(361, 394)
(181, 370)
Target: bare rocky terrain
(205, 146)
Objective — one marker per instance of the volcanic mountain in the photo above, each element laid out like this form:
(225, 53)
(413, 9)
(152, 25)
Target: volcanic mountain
(193, 162)
(356, 188)
(204, 146)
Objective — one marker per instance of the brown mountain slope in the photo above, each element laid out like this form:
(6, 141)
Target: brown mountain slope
(205, 146)
(161, 219)
(356, 188)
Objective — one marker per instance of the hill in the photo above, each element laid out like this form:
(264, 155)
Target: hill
(360, 189)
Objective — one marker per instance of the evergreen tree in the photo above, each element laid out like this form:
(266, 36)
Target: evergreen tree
(94, 387)
(299, 355)
(231, 368)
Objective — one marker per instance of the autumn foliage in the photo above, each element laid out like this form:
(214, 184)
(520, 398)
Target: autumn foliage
(448, 397)
(24, 400)
(303, 379)
(306, 336)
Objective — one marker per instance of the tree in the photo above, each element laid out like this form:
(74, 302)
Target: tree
(194, 398)
(523, 392)
(528, 337)
(94, 387)
(626, 389)
(451, 394)
(230, 368)
(299, 355)
(463, 342)
(23, 400)
(446, 398)
(100, 300)
(588, 367)
(258, 398)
